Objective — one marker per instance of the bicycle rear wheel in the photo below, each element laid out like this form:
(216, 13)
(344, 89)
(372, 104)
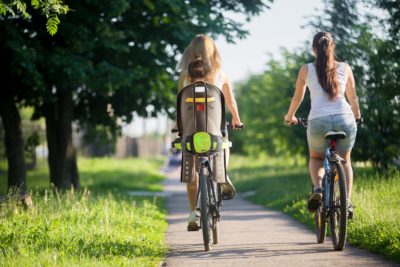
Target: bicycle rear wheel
(338, 209)
(206, 216)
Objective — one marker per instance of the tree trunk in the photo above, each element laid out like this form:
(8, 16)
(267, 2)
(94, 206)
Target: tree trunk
(52, 144)
(14, 143)
(62, 154)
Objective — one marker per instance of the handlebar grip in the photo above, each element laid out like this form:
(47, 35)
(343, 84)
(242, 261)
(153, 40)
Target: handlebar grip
(240, 127)
(302, 121)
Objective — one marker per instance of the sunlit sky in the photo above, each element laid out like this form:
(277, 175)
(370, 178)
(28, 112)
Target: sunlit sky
(277, 27)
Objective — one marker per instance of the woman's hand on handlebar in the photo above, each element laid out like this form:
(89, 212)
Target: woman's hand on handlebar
(360, 121)
(236, 124)
(290, 120)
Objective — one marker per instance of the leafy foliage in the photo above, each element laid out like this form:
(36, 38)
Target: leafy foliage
(104, 53)
(49, 8)
(263, 100)
(110, 58)
(52, 24)
(13, 7)
(371, 46)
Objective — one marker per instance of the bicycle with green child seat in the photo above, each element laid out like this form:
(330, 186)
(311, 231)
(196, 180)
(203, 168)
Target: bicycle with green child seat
(209, 199)
(334, 202)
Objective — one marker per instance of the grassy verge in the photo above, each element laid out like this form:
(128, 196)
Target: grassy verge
(101, 226)
(281, 185)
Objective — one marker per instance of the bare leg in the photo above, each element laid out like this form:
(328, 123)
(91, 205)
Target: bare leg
(316, 167)
(192, 189)
(227, 154)
(348, 171)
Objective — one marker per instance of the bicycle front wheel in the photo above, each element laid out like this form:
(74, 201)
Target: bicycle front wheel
(338, 206)
(206, 216)
(214, 196)
(215, 232)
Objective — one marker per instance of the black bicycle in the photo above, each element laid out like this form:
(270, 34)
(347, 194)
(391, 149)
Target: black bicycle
(334, 202)
(209, 198)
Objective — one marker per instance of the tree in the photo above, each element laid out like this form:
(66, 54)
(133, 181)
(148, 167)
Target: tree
(14, 143)
(107, 60)
(263, 100)
(371, 46)
(49, 8)
(16, 82)
(17, 73)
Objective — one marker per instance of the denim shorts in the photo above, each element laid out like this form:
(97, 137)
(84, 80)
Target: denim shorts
(318, 127)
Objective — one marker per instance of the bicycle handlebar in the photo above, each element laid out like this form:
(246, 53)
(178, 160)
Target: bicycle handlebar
(230, 127)
(304, 121)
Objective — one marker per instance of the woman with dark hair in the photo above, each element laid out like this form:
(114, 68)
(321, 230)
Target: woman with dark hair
(330, 82)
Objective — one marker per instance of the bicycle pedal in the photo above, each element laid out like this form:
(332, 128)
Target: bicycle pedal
(193, 228)
(350, 215)
(228, 197)
(313, 205)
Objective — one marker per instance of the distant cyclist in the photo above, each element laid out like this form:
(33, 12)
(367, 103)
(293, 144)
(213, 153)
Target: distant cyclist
(330, 82)
(201, 62)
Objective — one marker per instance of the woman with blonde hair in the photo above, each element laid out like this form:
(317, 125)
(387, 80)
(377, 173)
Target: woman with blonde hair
(330, 82)
(201, 62)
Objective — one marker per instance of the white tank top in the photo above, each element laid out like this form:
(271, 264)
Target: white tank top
(320, 104)
(218, 81)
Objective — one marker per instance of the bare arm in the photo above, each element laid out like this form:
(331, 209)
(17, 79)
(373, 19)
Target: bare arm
(351, 93)
(298, 95)
(231, 102)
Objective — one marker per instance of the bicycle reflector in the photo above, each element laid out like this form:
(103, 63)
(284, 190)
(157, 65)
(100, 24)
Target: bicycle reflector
(202, 142)
(200, 107)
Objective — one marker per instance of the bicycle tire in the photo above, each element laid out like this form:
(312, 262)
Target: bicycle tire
(215, 226)
(338, 209)
(204, 210)
(320, 218)
(214, 203)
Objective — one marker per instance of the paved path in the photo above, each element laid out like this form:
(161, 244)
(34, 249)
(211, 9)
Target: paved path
(251, 235)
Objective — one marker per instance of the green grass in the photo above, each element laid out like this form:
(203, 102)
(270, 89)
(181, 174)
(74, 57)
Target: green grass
(281, 185)
(101, 226)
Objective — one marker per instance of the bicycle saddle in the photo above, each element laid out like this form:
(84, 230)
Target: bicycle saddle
(332, 135)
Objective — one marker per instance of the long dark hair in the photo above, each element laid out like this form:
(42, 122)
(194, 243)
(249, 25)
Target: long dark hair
(324, 47)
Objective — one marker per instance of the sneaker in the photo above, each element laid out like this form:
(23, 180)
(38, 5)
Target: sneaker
(314, 200)
(351, 211)
(228, 191)
(193, 221)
